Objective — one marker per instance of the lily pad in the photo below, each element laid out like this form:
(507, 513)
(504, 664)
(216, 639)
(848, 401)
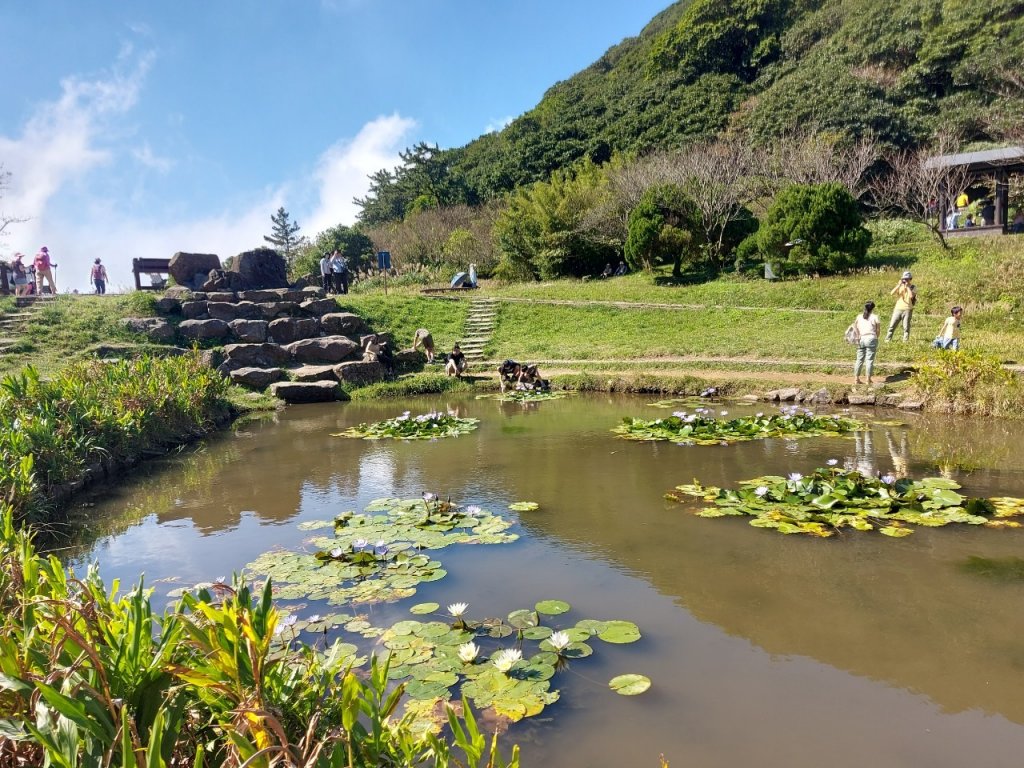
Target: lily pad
(699, 427)
(552, 607)
(426, 426)
(620, 632)
(524, 506)
(629, 685)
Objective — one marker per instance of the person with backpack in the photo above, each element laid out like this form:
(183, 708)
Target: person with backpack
(44, 271)
(864, 333)
(906, 297)
(98, 275)
(20, 275)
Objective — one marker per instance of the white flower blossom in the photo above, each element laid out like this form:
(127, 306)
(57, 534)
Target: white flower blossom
(796, 477)
(761, 490)
(559, 640)
(505, 659)
(457, 609)
(468, 651)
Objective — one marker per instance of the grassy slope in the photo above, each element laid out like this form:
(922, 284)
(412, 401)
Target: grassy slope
(402, 312)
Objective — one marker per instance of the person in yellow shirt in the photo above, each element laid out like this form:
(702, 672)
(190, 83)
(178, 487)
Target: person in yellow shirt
(962, 200)
(906, 297)
(949, 336)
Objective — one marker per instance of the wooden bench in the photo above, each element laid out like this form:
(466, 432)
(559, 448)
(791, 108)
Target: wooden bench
(150, 267)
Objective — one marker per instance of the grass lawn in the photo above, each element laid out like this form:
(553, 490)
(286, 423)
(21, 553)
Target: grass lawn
(402, 313)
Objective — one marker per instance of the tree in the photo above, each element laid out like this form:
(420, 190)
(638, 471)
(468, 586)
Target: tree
(664, 227)
(6, 219)
(812, 229)
(283, 234)
(918, 186)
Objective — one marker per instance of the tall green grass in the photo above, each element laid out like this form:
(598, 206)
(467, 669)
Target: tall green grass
(52, 431)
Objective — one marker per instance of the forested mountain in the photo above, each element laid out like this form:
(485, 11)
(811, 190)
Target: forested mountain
(897, 70)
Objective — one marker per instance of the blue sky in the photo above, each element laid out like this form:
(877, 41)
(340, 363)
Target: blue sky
(141, 129)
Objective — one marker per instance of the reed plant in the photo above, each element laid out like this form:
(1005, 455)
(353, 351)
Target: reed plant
(93, 677)
(53, 431)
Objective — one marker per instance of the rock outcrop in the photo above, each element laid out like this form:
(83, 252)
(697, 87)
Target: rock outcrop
(190, 270)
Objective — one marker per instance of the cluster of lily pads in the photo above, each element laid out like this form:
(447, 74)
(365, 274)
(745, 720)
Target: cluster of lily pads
(701, 427)
(425, 426)
(379, 556)
(502, 665)
(523, 396)
(830, 499)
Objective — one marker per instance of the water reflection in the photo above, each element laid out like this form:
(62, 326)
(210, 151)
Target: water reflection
(735, 619)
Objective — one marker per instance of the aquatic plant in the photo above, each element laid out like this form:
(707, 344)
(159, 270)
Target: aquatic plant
(701, 427)
(523, 396)
(830, 499)
(94, 677)
(426, 426)
(345, 568)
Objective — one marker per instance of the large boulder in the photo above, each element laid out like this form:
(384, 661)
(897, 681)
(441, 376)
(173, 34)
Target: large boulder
(285, 330)
(256, 355)
(219, 280)
(185, 267)
(249, 331)
(326, 349)
(261, 268)
(200, 330)
(154, 328)
(274, 309)
(268, 294)
(314, 373)
(305, 391)
(256, 378)
(168, 305)
(358, 373)
(179, 292)
(194, 310)
(318, 307)
(343, 324)
(241, 310)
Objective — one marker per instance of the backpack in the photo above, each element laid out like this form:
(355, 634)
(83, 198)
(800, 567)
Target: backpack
(852, 335)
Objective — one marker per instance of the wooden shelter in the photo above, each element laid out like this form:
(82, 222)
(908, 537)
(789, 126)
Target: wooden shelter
(990, 164)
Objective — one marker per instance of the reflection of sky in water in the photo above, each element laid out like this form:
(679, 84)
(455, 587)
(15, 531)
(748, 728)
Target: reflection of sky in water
(852, 636)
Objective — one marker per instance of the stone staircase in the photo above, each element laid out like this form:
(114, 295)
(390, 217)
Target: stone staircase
(295, 342)
(12, 324)
(479, 327)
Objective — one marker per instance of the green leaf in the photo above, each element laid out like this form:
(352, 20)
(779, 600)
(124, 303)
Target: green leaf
(620, 632)
(552, 607)
(524, 506)
(422, 608)
(629, 685)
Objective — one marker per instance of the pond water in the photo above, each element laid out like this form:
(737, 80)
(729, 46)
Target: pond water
(763, 649)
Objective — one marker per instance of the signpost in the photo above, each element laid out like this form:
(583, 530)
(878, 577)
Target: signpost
(384, 264)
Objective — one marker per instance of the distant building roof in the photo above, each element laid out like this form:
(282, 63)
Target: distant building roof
(980, 160)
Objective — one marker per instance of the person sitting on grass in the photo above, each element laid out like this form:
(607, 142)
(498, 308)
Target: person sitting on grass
(424, 339)
(607, 271)
(456, 362)
(621, 270)
(949, 336)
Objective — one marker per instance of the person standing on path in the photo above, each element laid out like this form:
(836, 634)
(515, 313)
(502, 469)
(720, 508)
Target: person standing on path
(98, 275)
(20, 275)
(906, 297)
(867, 327)
(325, 273)
(339, 271)
(44, 270)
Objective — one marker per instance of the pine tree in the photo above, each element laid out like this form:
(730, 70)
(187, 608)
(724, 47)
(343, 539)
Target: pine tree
(283, 233)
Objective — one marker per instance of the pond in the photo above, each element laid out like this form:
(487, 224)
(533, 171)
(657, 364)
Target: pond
(763, 649)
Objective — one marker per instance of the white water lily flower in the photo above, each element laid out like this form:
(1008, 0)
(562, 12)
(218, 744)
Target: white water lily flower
(380, 548)
(473, 510)
(336, 552)
(761, 490)
(759, 414)
(360, 544)
(457, 609)
(679, 414)
(832, 462)
(468, 651)
(796, 477)
(430, 497)
(313, 618)
(559, 640)
(888, 479)
(505, 659)
(290, 620)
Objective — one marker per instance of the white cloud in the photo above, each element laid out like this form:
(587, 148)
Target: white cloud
(343, 170)
(65, 165)
(497, 125)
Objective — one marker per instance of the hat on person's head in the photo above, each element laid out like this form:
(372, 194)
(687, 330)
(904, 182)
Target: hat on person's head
(907, 275)
(97, 260)
(44, 249)
(19, 255)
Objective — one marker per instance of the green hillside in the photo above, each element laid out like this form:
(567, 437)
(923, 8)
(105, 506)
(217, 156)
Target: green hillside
(898, 71)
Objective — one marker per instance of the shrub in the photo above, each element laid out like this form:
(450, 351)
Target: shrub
(896, 231)
(822, 225)
(968, 382)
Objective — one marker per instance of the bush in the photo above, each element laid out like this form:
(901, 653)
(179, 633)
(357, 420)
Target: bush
(823, 225)
(896, 231)
(968, 382)
(663, 228)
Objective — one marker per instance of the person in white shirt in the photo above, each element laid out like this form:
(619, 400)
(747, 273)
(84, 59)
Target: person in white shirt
(867, 327)
(325, 272)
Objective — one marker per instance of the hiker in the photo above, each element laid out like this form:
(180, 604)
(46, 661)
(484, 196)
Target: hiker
(20, 274)
(44, 271)
(607, 271)
(949, 336)
(424, 339)
(98, 275)
(456, 362)
(621, 270)
(508, 373)
(866, 328)
(325, 273)
(339, 272)
(906, 297)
